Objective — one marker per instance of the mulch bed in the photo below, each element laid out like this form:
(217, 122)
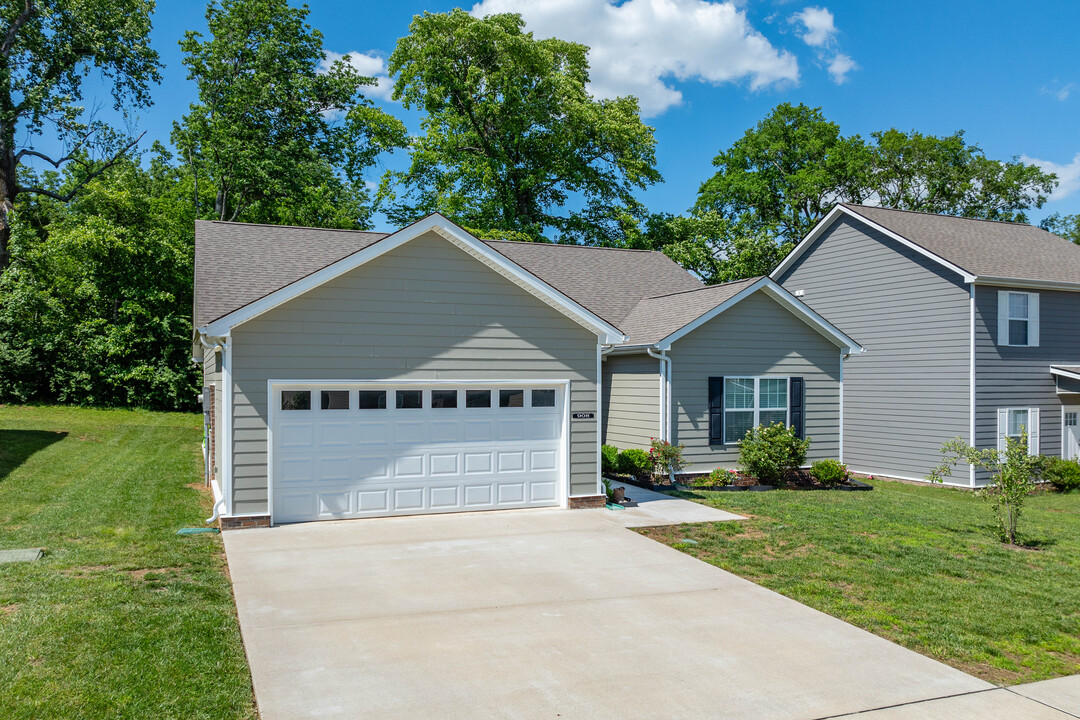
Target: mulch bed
(798, 481)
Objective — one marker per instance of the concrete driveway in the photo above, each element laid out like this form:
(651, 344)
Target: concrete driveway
(554, 614)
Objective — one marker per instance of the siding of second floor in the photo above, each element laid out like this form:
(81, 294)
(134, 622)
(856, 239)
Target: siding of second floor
(1019, 377)
(909, 392)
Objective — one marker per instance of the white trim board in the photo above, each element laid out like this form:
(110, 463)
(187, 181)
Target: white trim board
(448, 230)
(1054, 370)
(781, 296)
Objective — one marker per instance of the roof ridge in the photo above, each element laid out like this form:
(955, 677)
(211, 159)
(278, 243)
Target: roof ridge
(574, 245)
(294, 227)
(945, 216)
(706, 287)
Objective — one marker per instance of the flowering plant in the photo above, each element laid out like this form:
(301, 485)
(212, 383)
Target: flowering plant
(666, 457)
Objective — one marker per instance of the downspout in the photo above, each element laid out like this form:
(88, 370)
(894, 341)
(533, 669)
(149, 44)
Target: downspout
(840, 445)
(219, 502)
(665, 398)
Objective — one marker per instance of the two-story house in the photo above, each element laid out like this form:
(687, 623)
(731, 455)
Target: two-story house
(971, 330)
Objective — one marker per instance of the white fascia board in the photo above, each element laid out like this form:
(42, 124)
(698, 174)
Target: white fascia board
(222, 326)
(1027, 284)
(839, 210)
(1064, 373)
(780, 295)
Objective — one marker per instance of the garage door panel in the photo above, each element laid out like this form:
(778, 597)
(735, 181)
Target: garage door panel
(350, 462)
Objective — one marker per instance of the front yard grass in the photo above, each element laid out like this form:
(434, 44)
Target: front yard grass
(122, 618)
(918, 565)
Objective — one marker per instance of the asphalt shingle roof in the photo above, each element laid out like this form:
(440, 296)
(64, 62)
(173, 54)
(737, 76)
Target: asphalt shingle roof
(654, 318)
(984, 247)
(239, 263)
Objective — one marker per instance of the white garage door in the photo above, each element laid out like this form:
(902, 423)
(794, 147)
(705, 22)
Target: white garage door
(365, 450)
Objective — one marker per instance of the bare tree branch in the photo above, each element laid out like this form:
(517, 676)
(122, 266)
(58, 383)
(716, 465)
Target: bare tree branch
(68, 196)
(18, 22)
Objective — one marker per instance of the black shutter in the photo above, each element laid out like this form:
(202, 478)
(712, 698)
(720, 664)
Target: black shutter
(797, 405)
(716, 411)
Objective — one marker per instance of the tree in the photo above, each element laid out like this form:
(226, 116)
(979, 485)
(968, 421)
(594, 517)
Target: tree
(47, 47)
(272, 127)
(786, 173)
(1012, 472)
(1066, 226)
(98, 308)
(510, 133)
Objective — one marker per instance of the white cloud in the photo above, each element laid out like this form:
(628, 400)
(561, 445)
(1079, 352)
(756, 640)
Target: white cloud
(367, 64)
(1068, 175)
(840, 66)
(1061, 92)
(819, 32)
(820, 28)
(638, 47)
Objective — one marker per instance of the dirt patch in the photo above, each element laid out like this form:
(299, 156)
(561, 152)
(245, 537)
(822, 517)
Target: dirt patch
(166, 572)
(200, 486)
(986, 671)
(6, 610)
(89, 438)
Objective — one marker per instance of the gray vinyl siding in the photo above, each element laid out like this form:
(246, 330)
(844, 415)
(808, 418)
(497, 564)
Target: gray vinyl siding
(426, 310)
(753, 338)
(631, 400)
(909, 392)
(1019, 377)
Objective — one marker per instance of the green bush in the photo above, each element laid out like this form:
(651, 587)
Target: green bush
(1063, 474)
(829, 472)
(667, 458)
(635, 462)
(772, 453)
(720, 477)
(609, 458)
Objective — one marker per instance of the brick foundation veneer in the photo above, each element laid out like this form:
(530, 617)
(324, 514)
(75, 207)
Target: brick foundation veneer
(587, 501)
(242, 523)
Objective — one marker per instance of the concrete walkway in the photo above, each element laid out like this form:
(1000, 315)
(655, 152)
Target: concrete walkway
(650, 508)
(554, 613)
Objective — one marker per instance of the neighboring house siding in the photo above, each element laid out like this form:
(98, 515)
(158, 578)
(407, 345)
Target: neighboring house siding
(631, 400)
(212, 382)
(423, 311)
(909, 392)
(754, 337)
(1019, 377)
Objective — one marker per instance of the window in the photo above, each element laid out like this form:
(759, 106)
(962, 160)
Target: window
(749, 402)
(543, 398)
(1014, 422)
(295, 399)
(511, 398)
(477, 398)
(335, 399)
(371, 400)
(1018, 318)
(1071, 419)
(410, 399)
(444, 398)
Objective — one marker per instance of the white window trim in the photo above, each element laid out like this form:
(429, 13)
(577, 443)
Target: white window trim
(757, 409)
(1032, 427)
(1066, 409)
(1004, 317)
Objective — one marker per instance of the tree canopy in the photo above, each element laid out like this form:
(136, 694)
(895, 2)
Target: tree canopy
(47, 47)
(511, 137)
(1066, 226)
(784, 174)
(275, 136)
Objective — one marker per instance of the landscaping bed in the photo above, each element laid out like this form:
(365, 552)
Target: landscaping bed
(919, 565)
(800, 481)
(121, 618)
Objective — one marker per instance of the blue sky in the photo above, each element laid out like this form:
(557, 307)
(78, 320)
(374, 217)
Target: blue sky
(1007, 73)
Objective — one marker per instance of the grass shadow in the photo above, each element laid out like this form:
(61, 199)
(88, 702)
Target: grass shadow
(17, 446)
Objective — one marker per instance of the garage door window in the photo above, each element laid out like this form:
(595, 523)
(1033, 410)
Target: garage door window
(477, 398)
(371, 400)
(511, 398)
(444, 398)
(295, 399)
(335, 399)
(410, 399)
(543, 398)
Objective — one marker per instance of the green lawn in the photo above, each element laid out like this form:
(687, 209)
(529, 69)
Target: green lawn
(122, 618)
(918, 565)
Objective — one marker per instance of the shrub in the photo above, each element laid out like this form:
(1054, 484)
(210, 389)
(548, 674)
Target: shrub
(635, 462)
(829, 472)
(771, 453)
(609, 458)
(720, 477)
(608, 491)
(1063, 474)
(666, 457)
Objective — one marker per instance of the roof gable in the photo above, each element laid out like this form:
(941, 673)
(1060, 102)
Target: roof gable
(978, 250)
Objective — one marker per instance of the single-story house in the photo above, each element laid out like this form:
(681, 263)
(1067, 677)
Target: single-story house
(354, 374)
(971, 329)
